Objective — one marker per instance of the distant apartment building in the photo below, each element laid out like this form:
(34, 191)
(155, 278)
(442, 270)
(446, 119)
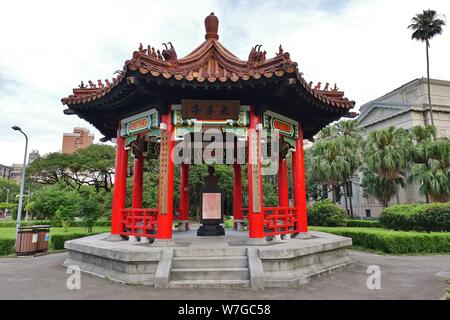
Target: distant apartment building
(34, 155)
(5, 172)
(79, 139)
(16, 171)
(405, 107)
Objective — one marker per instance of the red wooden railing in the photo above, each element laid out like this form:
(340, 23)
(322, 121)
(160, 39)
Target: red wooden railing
(139, 222)
(143, 222)
(277, 220)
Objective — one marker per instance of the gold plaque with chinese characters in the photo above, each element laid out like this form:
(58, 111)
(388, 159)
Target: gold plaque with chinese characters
(255, 172)
(210, 109)
(163, 172)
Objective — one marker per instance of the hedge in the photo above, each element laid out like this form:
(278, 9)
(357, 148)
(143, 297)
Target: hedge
(363, 224)
(57, 240)
(394, 242)
(419, 217)
(6, 246)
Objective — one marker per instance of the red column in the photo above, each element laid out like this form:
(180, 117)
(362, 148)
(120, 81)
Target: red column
(255, 210)
(283, 193)
(165, 219)
(298, 169)
(120, 185)
(237, 193)
(138, 177)
(184, 195)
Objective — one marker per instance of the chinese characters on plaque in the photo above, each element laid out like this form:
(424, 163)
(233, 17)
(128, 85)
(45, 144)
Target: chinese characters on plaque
(210, 109)
(163, 172)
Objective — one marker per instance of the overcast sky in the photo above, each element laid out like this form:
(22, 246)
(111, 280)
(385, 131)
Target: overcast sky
(47, 47)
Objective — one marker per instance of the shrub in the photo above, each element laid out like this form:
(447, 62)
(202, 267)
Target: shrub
(6, 246)
(327, 214)
(57, 240)
(395, 242)
(228, 223)
(419, 217)
(363, 224)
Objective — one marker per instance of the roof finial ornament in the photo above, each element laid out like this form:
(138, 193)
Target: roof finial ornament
(335, 89)
(280, 51)
(82, 85)
(169, 54)
(212, 27)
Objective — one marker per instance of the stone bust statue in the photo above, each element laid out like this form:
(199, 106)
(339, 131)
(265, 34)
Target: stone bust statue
(211, 181)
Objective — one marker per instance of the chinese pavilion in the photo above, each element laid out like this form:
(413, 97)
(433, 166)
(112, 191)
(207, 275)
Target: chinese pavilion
(158, 99)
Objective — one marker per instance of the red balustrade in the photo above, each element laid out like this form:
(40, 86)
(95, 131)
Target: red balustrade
(279, 220)
(139, 222)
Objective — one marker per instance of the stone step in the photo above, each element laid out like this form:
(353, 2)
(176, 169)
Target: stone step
(210, 284)
(210, 262)
(209, 274)
(210, 252)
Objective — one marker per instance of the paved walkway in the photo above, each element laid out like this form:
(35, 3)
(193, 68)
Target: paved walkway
(402, 278)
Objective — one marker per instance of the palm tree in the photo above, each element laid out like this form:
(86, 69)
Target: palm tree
(425, 26)
(385, 154)
(333, 162)
(432, 168)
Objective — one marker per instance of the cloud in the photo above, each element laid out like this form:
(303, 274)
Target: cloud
(50, 46)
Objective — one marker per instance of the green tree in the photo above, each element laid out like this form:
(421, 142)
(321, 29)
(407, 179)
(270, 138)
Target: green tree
(431, 168)
(91, 166)
(425, 26)
(335, 157)
(9, 189)
(386, 153)
(57, 203)
(89, 210)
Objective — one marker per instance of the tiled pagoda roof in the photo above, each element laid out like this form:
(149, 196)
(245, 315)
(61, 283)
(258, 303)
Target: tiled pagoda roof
(211, 62)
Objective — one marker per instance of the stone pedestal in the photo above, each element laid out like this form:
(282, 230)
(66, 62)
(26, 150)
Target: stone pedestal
(213, 230)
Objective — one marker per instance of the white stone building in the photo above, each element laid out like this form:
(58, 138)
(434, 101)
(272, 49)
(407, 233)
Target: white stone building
(404, 107)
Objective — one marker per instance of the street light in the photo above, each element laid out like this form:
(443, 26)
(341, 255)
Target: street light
(22, 180)
(7, 194)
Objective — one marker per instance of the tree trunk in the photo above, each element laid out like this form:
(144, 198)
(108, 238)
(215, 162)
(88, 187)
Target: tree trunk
(345, 198)
(427, 198)
(350, 200)
(333, 192)
(430, 108)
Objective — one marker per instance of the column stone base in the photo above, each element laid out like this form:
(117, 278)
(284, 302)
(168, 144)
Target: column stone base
(132, 239)
(114, 237)
(183, 226)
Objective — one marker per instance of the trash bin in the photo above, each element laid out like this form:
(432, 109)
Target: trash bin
(27, 241)
(43, 237)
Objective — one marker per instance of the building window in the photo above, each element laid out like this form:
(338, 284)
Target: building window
(368, 213)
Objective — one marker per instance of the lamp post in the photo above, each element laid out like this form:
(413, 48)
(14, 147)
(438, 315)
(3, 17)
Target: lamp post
(22, 180)
(7, 194)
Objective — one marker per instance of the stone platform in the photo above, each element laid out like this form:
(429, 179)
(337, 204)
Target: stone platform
(228, 261)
